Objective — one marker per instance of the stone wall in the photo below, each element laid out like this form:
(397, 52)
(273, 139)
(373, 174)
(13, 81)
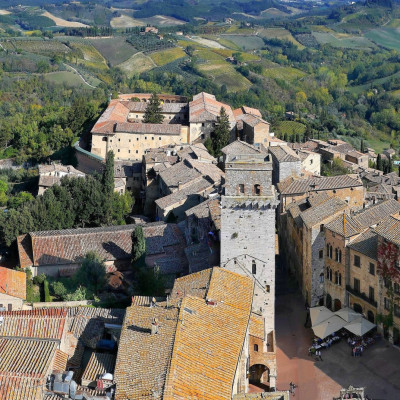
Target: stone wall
(10, 303)
(88, 162)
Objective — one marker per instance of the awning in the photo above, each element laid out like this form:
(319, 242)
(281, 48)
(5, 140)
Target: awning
(360, 326)
(319, 314)
(347, 314)
(327, 327)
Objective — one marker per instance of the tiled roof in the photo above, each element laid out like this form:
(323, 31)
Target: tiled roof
(53, 168)
(317, 214)
(209, 208)
(115, 112)
(279, 395)
(13, 283)
(181, 173)
(207, 169)
(316, 199)
(284, 154)
(151, 129)
(38, 324)
(143, 359)
(196, 284)
(209, 338)
(239, 147)
(257, 326)
(138, 106)
(205, 107)
(110, 243)
(14, 387)
(366, 243)
(316, 183)
(99, 364)
(389, 229)
(246, 110)
(350, 225)
(252, 120)
(196, 152)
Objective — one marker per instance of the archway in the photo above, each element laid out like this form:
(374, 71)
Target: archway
(259, 376)
(357, 308)
(328, 301)
(337, 305)
(370, 316)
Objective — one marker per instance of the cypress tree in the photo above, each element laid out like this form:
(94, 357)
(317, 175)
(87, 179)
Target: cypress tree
(108, 174)
(362, 147)
(390, 165)
(153, 114)
(138, 247)
(222, 132)
(379, 165)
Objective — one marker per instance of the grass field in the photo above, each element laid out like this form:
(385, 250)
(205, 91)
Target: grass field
(63, 22)
(362, 88)
(65, 77)
(91, 56)
(228, 53)
(115, 50)
(279, 33)
(386, 37)
(220, 71)
(273, 13)
(37, 46)
(245, 42)
(289, 128)
(286, 73)
(344, 40)
(124, 21)
(137, 64)
(166, 56)
(207, 42)
(162, 20)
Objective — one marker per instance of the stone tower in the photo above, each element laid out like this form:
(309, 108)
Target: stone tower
(248, 235)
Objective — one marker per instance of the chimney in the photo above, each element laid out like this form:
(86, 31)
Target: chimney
(154, 326)
(179, 185)
(211, 302)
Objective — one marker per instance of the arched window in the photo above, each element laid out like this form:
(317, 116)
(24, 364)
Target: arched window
(253, 268)
(327, 273)
(241, 188)
(340, 256)
(257, 190)
(327, 250)
(256, 347)
(340, 280)
(321, 277)
(336, 254)
(330, 252)
(336, 278)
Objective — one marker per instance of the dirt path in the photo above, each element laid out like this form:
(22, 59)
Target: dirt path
(84, 80)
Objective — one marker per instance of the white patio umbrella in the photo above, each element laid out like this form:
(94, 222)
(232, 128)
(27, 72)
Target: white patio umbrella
(348, 314)
(327, 327)
(360, 326)
(319, 314)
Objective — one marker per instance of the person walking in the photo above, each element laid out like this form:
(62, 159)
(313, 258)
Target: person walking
(319, 355)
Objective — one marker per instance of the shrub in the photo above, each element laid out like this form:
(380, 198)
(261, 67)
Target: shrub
(59, 290)
(78, 295)
(39, 279)
(47, 297)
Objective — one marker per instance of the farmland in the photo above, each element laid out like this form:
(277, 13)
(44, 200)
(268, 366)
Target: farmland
(344, 41)
(38, 46)
(387, 37)
(285, 73)
(279, 33)
(289, 128)
(62, 22)
(245, 42)
(166, 56)
(65, 77)
(124, 21)
(115, 50)
(137, 64)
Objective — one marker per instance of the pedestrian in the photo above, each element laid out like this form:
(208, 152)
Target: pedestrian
(319, 355)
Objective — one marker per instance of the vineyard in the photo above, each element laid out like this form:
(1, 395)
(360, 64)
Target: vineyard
(149, 43)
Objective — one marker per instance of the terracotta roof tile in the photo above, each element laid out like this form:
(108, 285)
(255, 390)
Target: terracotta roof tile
(13, 283)
(389, 229)
(366, 243)
(205, 107)
(239, 147)
(284, 154)
(257, 326)
(156, 129)
(99, 364)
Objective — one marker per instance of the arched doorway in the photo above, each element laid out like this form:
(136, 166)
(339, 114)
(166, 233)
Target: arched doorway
(259, 376)
(357, 308)
(328, 301)
(370, 316)
(337, 305)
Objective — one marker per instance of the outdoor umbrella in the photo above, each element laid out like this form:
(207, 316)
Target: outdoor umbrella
(360, 326)
(319, 314)
(347, 314)
(326, 328)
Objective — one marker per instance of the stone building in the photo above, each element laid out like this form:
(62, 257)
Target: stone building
(310, 162)
(50, 175)
(12, 289)
(286, 163)
(248, 240)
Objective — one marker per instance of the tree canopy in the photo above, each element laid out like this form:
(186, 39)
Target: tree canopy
(153, 113)
(221, 136)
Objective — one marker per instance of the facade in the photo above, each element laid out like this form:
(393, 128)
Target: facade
(50, 175)
(248, 239)
(286, 163)
(12, 289)
(310, 162)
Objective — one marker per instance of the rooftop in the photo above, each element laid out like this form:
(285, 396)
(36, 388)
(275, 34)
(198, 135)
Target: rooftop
(319, 213)
(13, 283)
(240, 147)
(166, 108)
(366, 243)
(284, 154)
(142, 128)
(205, 107)
(389, 229)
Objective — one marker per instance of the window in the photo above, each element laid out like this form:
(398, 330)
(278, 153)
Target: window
(337, 278)
(241, 188)
(396, 288)
(356, 285)
(159, 138)
(372, 268)
(119, 140)
(137, 138)
(371, 293)
(257, 190)
(321, 254)
(268, 288)
(10, 307)
(357, 262)
(253, 268)
(329, 274)
(119, 150)
(311, 161)
(152, 138)
(386, 303)
(256, 347)
(327, 250)
(129, 140)
(137, 151)
(330, 252)
(321, 228)
(340, 280)
(396, 310)
(321, 278)
(202, 124)
(145, 138)
(104, 139)
(336, 255)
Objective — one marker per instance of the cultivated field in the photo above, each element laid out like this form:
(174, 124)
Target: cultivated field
(228, 53)
(63, 22)
(289, 128)
(37, 46)
(245, 42)
(91, 56)
(65, 77)
(115, 50)
(343, 40)
(361, 88)
(386, 36)
(166, 56)
(207, 42)
(273, 13)
(162, 20)
(279, 33)
(137, 64)
(124, 21)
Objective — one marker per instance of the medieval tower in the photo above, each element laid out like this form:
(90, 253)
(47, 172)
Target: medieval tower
(248, 237)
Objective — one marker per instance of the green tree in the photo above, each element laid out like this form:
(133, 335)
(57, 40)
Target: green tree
(222, 132)
(3, 193)
(92, 272)
(59, 290)
(138, 247)
(108, 186)
(379, 164)
(362, 146)
(153, 113)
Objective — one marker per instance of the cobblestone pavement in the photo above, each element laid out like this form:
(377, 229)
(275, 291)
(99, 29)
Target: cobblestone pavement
(377, 370)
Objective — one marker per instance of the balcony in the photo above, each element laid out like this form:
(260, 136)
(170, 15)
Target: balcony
(362, 296)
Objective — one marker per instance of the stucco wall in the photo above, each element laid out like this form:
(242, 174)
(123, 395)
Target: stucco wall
(7, 301)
